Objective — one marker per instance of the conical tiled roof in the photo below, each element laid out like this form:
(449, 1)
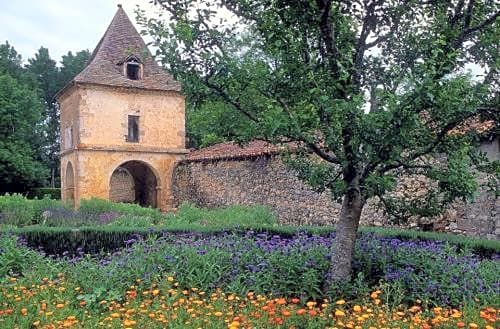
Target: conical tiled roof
(120, 42)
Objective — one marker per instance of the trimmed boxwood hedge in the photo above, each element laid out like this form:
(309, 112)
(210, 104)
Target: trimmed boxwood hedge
(94, 239)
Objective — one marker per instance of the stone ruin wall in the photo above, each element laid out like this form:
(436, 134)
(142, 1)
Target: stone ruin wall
(266, 180)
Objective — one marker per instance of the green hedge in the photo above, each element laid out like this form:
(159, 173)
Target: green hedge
(53, 193)
(56, 240)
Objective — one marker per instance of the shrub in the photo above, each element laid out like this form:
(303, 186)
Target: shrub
(17, 259)
(45, 192)
(19, 211)
(94, 207)
(15, 209)
(233, 216)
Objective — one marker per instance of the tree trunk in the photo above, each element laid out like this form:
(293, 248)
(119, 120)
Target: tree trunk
(345, 238)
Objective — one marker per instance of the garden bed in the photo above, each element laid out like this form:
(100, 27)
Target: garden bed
(118, 270)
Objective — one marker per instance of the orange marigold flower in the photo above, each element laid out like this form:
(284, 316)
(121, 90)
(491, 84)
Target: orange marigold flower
(24, 311)
(295, 300)
(129, 323)
(300, 311)
(281, 301)
(312, 312)
(285, 313)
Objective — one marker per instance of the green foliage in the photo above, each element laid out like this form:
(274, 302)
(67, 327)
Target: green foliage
(43, 192)
(15, 259)
(29, 131)
(19, 211)
(234, 216)
(96, 207)
(20, 111)
(16, 210)
(263, 263)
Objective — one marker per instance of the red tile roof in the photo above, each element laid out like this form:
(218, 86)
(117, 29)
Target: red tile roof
(231, 150)
(121, 41)
(475, 125)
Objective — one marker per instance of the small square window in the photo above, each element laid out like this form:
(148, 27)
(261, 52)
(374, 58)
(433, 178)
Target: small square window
(133, 129)
(133, 71)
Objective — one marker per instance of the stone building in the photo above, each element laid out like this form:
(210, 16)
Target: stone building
(122, 124)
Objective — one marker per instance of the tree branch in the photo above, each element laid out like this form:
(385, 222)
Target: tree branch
(482, 25)
(328, 34)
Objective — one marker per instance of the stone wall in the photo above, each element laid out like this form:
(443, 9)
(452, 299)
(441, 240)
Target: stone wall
(266, 180)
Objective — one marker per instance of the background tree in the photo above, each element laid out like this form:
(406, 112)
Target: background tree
(374, 89)
(71, 65)
(213, 122)
(20, 111)
(26, 153)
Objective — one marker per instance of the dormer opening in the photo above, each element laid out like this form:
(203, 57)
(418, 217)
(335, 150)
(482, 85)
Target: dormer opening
(133, 70)
(132, 67)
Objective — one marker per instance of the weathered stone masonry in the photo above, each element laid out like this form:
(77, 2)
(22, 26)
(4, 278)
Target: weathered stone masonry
(266, 180)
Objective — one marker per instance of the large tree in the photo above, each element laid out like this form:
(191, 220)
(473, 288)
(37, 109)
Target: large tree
(374, 89)
(20, 110)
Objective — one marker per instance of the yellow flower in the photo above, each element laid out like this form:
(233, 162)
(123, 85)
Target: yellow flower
(129, 323)
(310, 304)
(339, 313)
(340, 302)
(473, 326)
(170, 279)
(218, 314)
(357, 308)
(115, 315)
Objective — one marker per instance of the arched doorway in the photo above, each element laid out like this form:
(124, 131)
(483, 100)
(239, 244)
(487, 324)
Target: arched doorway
(69, 190)
(134, 182)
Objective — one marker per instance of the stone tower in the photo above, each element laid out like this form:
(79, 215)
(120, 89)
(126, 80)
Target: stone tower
(122, 124)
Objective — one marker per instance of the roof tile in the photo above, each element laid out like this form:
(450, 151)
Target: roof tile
(120, 41)
(231, 150)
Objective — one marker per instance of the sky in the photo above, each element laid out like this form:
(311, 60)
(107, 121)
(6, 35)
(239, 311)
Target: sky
(60, 25)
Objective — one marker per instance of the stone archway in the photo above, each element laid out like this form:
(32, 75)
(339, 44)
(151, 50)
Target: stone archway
(134, 182)
(69, 190)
